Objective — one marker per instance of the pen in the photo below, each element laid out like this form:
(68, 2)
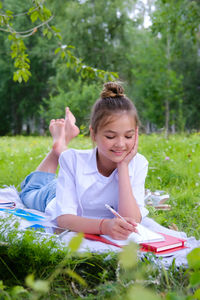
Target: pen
(116, 214)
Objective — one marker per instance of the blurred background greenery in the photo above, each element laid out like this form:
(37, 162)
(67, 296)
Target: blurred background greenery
(153, 46)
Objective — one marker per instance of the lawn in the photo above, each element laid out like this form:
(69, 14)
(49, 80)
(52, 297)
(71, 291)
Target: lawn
(173, 167)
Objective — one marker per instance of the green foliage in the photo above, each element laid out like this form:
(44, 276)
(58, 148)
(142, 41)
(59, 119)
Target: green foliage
(174, 168)
(79, 97)
(175, 22)
(47, 267)
(128, 257)
(22, 62)
(75, 243)
(59, 43)
(41, 15)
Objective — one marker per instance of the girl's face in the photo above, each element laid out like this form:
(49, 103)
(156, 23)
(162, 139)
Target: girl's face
(114, 141)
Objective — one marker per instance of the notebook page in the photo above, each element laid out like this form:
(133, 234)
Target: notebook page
(145, 235)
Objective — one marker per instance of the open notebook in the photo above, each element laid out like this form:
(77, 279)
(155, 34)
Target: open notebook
(144, 235)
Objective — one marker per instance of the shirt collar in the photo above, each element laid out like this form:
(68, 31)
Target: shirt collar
(91, 164)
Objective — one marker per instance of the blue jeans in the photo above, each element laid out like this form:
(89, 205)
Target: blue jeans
(38, 189)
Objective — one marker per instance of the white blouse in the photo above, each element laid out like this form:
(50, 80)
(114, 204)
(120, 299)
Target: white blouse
(83, 191)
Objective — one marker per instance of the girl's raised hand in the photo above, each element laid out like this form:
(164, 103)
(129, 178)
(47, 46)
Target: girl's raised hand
(119, 229)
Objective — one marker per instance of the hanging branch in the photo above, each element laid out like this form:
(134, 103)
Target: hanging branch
(19, 50)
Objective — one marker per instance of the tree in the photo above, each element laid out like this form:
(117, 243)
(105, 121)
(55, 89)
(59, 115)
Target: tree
(99, 31)
(159, 64)
(171, 21)
(162, 60)
(21, 104)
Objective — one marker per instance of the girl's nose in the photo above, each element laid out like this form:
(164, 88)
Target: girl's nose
(119, 142)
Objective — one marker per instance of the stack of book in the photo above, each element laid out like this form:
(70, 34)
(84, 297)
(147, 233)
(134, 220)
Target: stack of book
(158, 243)
(170, 244)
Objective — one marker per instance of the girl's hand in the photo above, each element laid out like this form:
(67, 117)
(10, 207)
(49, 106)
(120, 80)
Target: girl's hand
(133, 152)
(119, 229)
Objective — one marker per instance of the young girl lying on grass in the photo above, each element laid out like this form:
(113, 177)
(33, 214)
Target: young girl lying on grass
(112, 173)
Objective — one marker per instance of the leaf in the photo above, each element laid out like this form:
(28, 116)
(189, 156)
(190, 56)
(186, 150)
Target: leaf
(139, 292)
(45, 31)
(11, 37)
(197, 294)
(41, 286)
(55, 29)
(37, 285)
(49, 35)
(46, 12)
(63, 55)
(193, 259)
(34, 16)
(57, 50)
(128, 256)
(18, 289)
(17, 77)
(75, 242)
(9, 13)
(76, 276)
(59, 36)
(195, 278)
(2, 286)
(29, 280)
(71, 47)
(174, 296)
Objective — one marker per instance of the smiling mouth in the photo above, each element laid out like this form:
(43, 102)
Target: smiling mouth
(117, 152)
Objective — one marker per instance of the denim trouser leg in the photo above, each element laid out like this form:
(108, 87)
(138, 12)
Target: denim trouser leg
(38, 189)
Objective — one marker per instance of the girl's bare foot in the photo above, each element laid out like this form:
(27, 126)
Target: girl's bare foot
(71, 130)
(57, 130)
(62, 131)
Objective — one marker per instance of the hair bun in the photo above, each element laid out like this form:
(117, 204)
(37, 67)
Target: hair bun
(112, 90)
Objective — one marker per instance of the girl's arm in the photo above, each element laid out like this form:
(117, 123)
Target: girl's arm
(115, 228)
(127, 203)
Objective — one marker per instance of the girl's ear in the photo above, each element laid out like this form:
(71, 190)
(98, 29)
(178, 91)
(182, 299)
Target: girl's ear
(92, 135)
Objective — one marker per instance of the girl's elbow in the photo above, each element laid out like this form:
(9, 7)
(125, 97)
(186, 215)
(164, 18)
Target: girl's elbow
(139, 218)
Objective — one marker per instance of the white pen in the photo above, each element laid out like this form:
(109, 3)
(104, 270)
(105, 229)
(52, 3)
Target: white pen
(116, 213)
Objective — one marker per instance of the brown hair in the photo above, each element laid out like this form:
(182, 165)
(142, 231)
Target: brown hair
(112, 100)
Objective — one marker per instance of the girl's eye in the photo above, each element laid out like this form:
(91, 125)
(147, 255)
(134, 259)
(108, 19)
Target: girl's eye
(110, 137)
(129, 137)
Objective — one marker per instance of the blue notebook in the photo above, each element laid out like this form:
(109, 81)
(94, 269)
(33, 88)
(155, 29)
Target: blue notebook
(24, 214)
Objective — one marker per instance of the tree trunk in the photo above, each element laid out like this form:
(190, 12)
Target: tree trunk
(166, 118)
(168, 55)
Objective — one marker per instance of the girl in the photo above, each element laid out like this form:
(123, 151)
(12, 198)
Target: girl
(112, 173)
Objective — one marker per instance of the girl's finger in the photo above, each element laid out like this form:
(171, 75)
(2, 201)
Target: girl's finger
(125, 227)
(131, 221)
(122, 234)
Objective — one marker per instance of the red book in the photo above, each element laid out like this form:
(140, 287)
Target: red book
(99, 238)
(170, 242)
(164, 253)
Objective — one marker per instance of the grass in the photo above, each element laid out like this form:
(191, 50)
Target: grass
(173, 167)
